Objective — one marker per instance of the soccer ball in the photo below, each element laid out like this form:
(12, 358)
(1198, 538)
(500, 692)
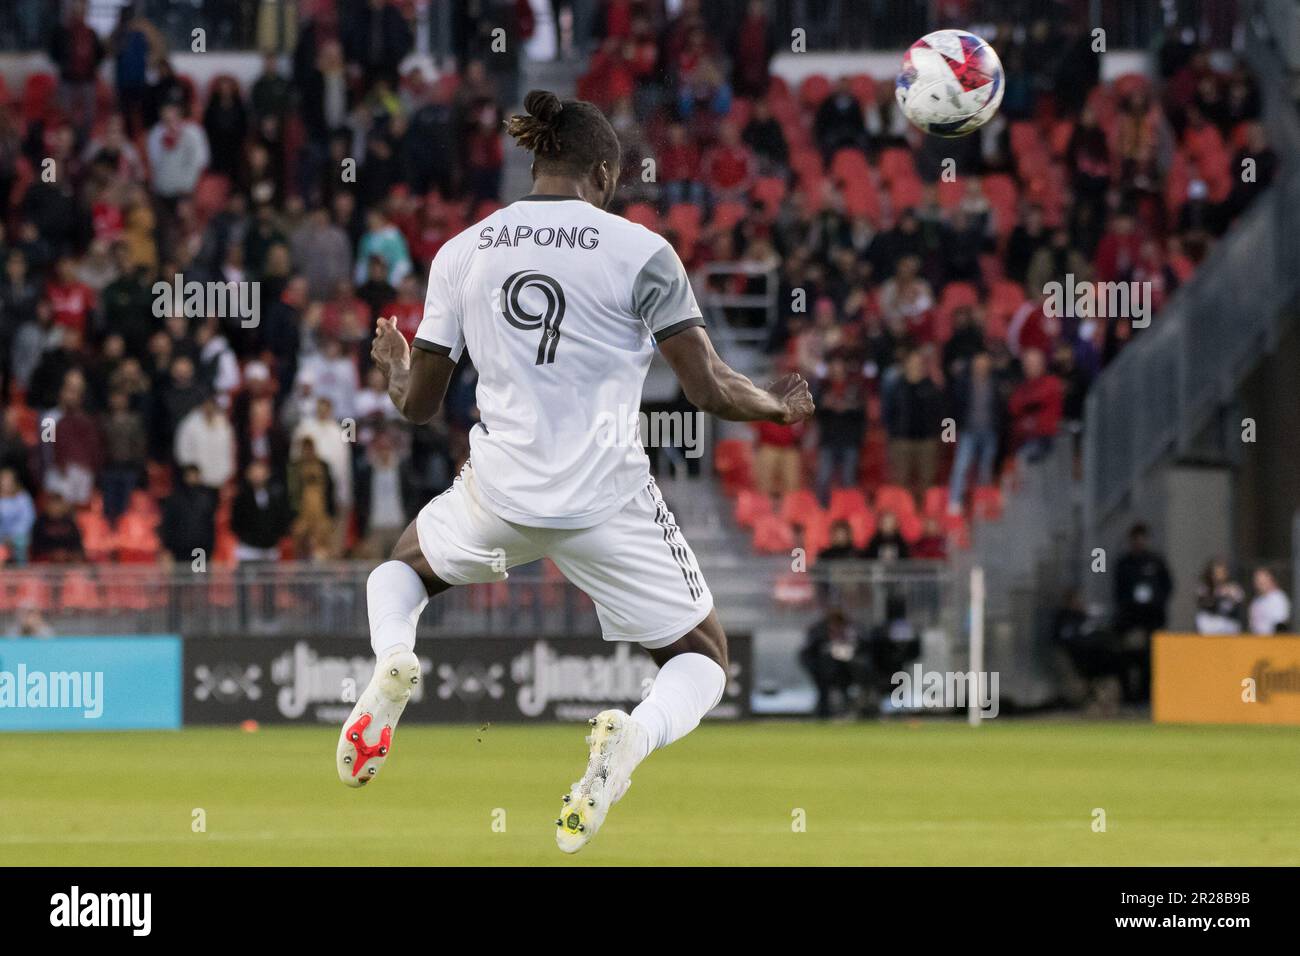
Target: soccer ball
(950, 83)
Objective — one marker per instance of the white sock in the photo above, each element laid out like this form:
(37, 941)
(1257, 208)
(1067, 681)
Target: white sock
(685, 689)
(395, 596)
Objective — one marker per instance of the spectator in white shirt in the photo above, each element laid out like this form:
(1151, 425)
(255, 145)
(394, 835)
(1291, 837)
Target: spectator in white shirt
(178, 153)
(333, 446)
(206, 440)
(1270, 611)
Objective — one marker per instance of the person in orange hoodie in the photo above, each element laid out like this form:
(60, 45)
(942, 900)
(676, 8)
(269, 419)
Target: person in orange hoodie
(1035, 407)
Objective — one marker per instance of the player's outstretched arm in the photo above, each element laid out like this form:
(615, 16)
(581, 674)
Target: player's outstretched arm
(713, 386)
(417, 382)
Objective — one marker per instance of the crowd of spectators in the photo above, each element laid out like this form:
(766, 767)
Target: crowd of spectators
(333, 178)
(914, 301)
(138, 428)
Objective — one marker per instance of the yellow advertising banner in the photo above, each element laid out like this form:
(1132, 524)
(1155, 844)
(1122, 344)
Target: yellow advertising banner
(1225, 679)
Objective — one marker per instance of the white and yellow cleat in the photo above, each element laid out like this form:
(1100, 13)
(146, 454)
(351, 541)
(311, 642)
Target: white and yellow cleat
(367, 737)
(617, 743)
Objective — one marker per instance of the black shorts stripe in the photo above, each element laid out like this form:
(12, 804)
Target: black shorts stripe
(676, 546)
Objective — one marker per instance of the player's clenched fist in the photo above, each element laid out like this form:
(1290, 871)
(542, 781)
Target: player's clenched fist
(389, 348)
(795, 397)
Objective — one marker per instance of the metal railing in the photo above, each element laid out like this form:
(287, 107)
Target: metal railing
(273, 598)
(745, 319)
(330, 597)
(1164, 388)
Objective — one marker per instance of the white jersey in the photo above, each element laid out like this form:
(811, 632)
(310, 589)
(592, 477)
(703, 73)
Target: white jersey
(557, 302)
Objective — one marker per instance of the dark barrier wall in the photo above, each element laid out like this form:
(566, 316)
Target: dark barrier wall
(317, 679)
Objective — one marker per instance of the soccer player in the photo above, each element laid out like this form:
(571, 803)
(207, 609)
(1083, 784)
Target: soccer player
(561, 304)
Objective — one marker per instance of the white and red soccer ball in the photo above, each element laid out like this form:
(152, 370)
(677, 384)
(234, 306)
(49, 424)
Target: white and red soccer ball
(950, 83)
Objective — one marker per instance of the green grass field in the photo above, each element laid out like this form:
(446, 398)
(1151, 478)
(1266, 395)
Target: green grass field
(891, 794)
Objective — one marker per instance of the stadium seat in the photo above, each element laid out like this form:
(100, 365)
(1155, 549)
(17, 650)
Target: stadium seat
(906, 193)
(769, 190)
(685, 219)
(896, 499)
(864, 89)
(897, 163)
(863, 526)
(726, 215)
(97, 538)
(949, 193)
(137, 542)
(78, 591)
(957, 530)
(733, 460)
(750, 507)
(813, 90)
(32, 592)
(846, 502)
(986, 502)
(936, 501)
(800, 508)
(773, 536)
(848, 164)
(806, 164)
(862, 199)
(643, 214)
(38, 96)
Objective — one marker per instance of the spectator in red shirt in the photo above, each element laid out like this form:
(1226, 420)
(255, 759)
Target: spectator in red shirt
(931, 544)
(407, 308)
(729, 168)
(752, 51)
(777, 466)
(1117, 252)
(1035, 407)
(679, 169)
(71, 299)
(76, 452)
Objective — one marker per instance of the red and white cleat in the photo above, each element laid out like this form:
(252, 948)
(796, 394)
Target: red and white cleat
(367, 737)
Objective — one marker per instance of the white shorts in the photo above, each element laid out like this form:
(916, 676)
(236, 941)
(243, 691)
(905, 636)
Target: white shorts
(635, 566)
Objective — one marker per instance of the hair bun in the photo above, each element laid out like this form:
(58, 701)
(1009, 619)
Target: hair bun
(543, 104)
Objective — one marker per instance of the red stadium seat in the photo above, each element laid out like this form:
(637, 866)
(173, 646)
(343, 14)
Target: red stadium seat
(936, 501)
(685, 219)
(896, 499)
(813, 90)
(97, 538)
(643, 214)
(773, 536)
(863, 88)
(750, 507)
(38, 95)
(863, 526)
(727, 214)
(897, 163)
(770, 191)
(848, 164)
(906, 193)
(79, 592)
(801, 508)
(733, 460)
(986, 502)
(846, 502)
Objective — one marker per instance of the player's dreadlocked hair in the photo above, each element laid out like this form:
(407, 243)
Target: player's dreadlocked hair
(567, 138)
